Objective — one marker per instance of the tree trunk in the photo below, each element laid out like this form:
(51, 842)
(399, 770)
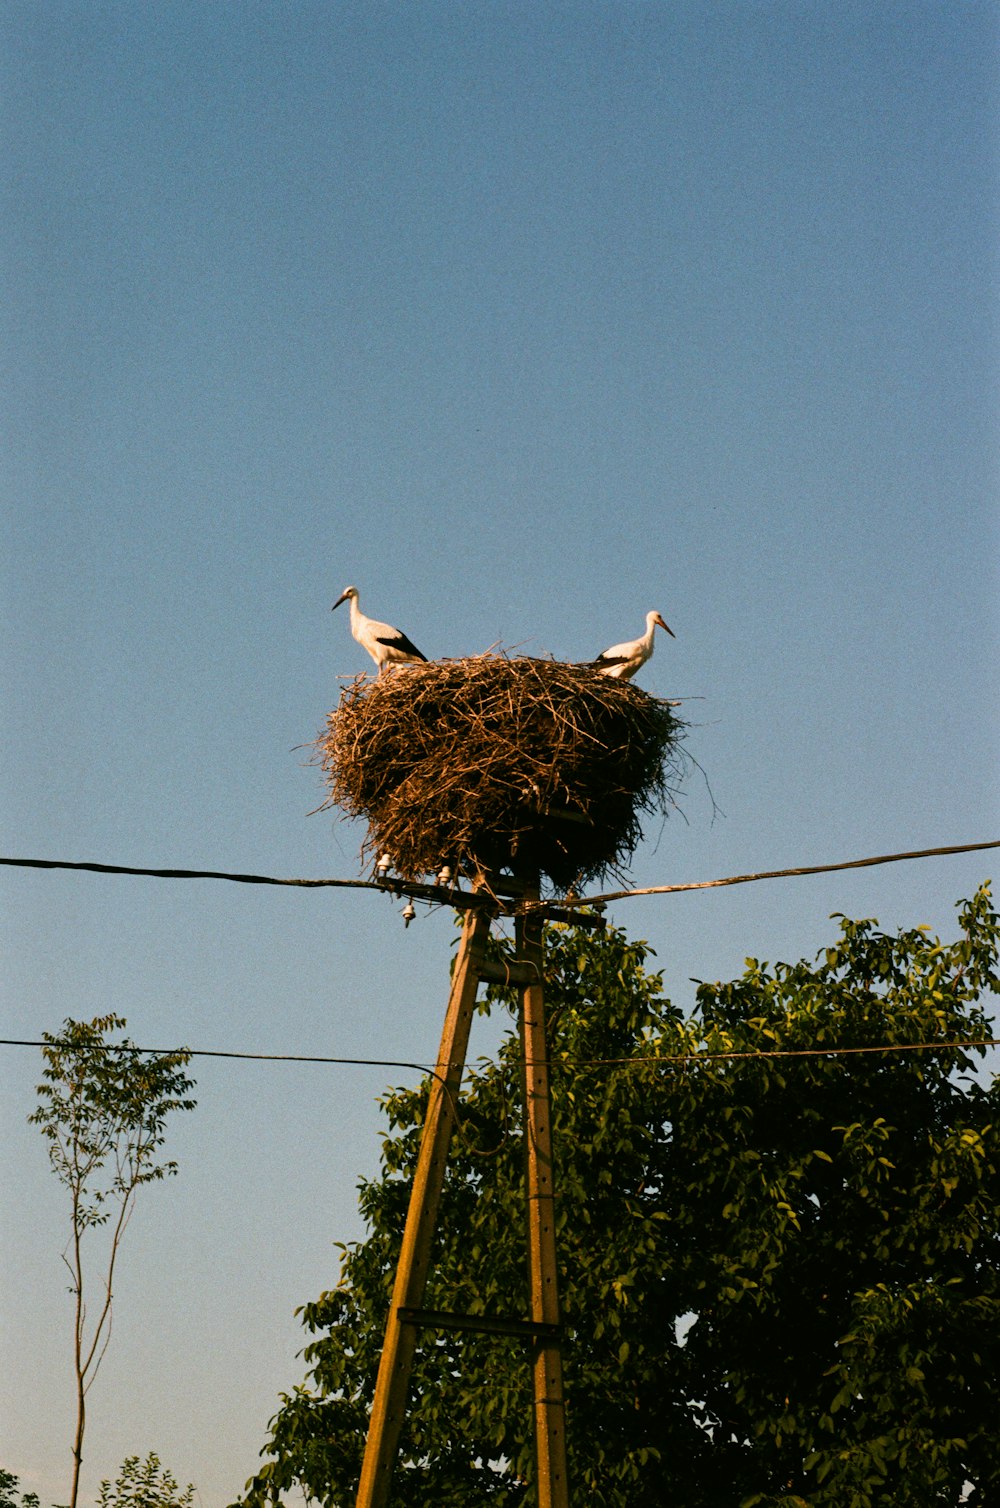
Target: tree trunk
(81, 1419)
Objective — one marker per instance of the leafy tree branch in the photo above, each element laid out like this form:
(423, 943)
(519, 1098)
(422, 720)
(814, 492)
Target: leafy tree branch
(780, 1277)
(145, 1484)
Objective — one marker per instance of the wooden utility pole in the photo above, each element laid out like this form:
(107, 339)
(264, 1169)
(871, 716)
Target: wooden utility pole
(406, 1312)
(389, 1405)
(546, 1357)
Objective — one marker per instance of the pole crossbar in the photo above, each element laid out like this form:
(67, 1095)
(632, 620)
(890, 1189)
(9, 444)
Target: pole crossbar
(482, 1324)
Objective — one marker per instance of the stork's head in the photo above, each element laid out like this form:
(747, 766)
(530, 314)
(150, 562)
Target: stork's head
(655, 618)
(349, 591)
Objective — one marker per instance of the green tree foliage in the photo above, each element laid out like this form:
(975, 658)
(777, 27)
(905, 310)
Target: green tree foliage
(779, 1273)
(103, 1109)
(10, 1497)
(144, 1484)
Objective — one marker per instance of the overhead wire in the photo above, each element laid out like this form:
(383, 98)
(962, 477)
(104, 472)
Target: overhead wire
(777, 874)
(187, 874)
(571, 901)
(568, 901)
(556, 1061)
(213, 1052)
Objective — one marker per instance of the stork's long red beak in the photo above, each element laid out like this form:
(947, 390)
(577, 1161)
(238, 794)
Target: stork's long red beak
(340, 599)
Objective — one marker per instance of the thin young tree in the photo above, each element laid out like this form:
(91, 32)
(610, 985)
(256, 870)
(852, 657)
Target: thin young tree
(103, 1109)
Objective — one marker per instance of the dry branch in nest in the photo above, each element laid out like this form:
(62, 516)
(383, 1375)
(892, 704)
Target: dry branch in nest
(493, 764)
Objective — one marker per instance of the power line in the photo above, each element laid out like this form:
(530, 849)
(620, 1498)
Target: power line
(777, 1052)
(211, 1052)
(779, 874)
(570, 901)
(400, 887)
(187, 874)
(654, 1060)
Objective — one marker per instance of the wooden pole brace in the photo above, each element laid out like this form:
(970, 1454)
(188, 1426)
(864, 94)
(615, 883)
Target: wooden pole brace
(389, 1405)
(484, 1324)
(507, 973)
(468, 900)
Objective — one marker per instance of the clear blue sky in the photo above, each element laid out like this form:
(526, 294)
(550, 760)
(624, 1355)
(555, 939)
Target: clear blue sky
(525, 318)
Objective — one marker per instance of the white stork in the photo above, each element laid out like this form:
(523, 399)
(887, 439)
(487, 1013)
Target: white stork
(385, 644)
(623, 660)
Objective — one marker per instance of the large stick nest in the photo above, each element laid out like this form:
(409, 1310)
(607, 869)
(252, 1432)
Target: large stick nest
(494, 764)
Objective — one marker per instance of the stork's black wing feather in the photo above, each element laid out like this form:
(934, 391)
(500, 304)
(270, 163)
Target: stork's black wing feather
(400, 641)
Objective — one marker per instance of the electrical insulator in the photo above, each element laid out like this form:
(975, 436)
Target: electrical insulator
(408, 913)
(383, 866)
(444, 875)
